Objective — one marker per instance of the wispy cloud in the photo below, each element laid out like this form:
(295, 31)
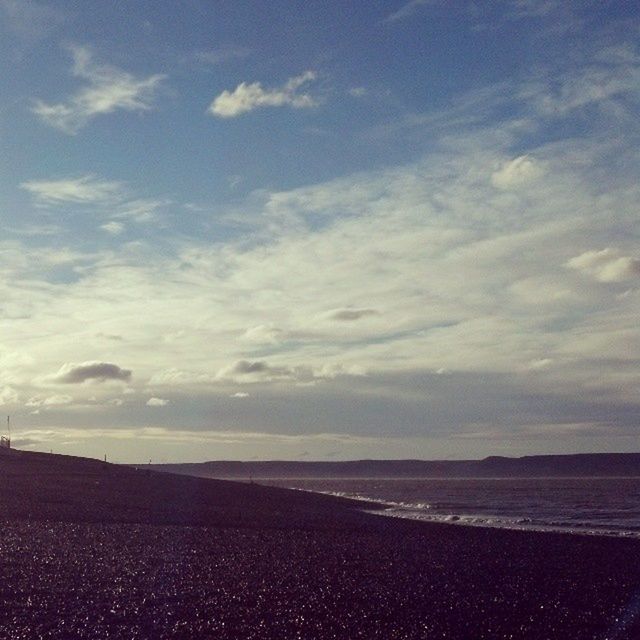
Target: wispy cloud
(114, 228)
(606, 265)
(264, 334)
(105, 197)
(533, 8)
(140, 209)
(516, 172)
(82, 190)
(220, 55)
(30, 20)
(358, 92)
(608, 77)
(8, 396)
(409, 8)
(247, 97)
(107, 89)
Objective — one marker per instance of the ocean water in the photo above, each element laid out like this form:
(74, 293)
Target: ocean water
(596, 506)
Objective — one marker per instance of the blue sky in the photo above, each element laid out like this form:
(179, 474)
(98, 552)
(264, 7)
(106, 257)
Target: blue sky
(319, 230)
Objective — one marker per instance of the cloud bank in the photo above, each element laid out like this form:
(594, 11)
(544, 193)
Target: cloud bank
(484, 294)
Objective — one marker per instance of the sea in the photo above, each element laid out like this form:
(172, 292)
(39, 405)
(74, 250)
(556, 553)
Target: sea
(593, 506)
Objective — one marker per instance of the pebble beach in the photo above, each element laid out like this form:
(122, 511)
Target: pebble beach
(90, 550)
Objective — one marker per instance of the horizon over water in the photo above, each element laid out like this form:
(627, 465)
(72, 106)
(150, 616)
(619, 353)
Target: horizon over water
(597, 506)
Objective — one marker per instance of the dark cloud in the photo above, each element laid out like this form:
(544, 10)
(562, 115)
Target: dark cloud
(350, 314)
(259, 370)
(96, 371)
(243, 367)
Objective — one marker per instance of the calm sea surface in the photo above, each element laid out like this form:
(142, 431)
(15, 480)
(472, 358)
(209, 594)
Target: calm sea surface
(601, 506)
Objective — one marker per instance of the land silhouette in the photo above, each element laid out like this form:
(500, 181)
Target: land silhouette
(576, 465)
(96, 550)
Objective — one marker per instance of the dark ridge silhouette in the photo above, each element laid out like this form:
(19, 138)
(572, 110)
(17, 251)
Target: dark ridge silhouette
(58, 487)
(576, 465)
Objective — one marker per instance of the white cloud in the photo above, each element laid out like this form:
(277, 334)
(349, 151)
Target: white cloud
(606, 265)
(107, 89)
(240, 394)
(264, 334)
(540, 363)
(8, 395)
(55, 400)
(247, 97)
(175, 377)
(113, 227)
(516, 172)
(83, 190)
(157, 402)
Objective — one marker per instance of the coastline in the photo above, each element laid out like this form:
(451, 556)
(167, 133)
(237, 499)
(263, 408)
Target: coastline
(175, 557)
(422, 510)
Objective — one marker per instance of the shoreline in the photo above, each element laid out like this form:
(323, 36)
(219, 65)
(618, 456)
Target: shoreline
(93, 551)
(416, 512)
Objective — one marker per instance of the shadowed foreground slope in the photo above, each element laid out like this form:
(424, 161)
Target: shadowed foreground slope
(90, 551)
(44, 486)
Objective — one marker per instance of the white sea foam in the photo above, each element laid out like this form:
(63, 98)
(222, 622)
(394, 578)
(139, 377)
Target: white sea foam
(596, 506)
(524, 524)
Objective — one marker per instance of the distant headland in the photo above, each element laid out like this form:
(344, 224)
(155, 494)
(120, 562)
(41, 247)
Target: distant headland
(573, 465)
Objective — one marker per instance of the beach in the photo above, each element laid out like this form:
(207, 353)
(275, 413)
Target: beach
(91, 550)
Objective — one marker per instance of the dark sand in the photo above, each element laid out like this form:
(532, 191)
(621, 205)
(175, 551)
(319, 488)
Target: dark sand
(99, 551)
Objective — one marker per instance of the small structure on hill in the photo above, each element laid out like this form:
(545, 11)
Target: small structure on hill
(5, 441)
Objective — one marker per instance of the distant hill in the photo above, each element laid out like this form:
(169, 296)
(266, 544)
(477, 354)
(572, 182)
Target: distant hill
(576, 465)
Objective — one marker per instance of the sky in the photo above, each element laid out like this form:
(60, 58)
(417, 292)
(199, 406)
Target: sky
(320, 230)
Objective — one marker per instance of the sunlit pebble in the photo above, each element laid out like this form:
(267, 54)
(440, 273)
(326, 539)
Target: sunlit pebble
(237, 566)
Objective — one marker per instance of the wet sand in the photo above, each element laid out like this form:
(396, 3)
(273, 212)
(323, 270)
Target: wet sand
(97, 551)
